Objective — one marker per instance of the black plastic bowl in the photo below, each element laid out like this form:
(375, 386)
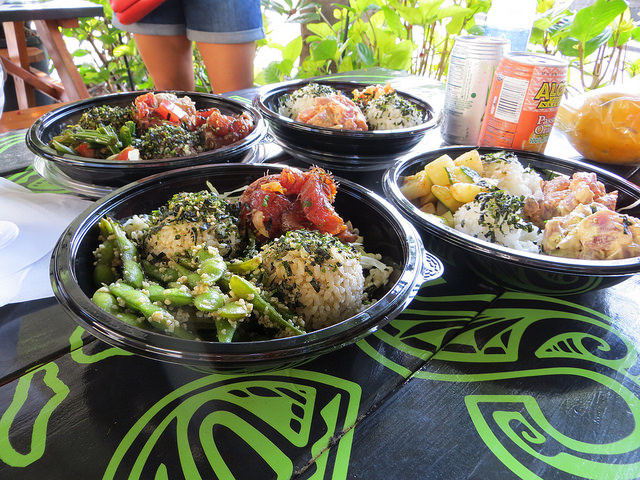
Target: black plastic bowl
(116, 173)
(507, 267)
(391, 235)
(335, 148)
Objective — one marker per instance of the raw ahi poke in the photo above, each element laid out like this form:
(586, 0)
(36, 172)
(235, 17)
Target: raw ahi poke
(495, 198)
(155, 126)
(374, 107)
(271, 260)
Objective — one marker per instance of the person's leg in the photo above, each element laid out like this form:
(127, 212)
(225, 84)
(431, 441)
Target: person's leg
(169, 60)
(229, 66)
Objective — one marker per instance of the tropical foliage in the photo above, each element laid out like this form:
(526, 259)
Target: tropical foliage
(411, 35)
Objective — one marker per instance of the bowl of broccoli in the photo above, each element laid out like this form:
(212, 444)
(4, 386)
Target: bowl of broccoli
(116, 139)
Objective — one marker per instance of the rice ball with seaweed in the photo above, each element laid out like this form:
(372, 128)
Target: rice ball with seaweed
(189, 219)
(291, 104)
(392, 111)
(316, 275)
(496, 217)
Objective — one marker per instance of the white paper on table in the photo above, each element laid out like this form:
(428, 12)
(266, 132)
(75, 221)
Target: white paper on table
(41, 218)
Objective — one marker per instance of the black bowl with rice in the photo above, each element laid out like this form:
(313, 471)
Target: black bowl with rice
(396, 124)
(393, 237)
(512, 256)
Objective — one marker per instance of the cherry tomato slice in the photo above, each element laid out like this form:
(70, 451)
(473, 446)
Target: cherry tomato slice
(85, 151)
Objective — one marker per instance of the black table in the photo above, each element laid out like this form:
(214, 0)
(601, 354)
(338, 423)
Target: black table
(470, 381)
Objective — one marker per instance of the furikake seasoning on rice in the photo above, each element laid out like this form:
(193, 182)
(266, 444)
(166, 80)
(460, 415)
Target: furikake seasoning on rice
(276, 261)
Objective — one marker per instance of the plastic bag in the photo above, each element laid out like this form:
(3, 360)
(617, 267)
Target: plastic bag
(604, 125)
(130, 11)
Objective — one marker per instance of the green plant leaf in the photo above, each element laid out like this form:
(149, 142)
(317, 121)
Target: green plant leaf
(394, 22)
(365, 54)
(591, 21)
(324, 50)
(293, 49)
(399, 57)
(569, 46)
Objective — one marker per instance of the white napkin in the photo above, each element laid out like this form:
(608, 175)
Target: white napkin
(40, 219)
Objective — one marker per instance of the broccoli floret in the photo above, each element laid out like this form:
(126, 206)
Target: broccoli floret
(168, 140)
(106, 115)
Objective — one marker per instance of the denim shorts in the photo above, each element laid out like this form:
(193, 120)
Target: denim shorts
(208, 21)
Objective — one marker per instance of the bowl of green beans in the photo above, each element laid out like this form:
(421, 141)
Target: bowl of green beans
(129, 310)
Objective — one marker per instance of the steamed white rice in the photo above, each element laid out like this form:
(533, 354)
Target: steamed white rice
(316, 275)
(391, 112)
(511, 176)
(303, 98)
(487, 218)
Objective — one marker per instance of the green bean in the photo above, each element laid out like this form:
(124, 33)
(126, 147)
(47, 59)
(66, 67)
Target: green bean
(236, 310)
(244, 267)
(103, 273)
(131, 270)
(210, 300)
(135, 299)
(246, 290)
(192, 278)
(211, 265)
(61, 148)
(162, 274)
(176, 296)
(127, 131)
(107, 302)
(183, 333)
(225, 329)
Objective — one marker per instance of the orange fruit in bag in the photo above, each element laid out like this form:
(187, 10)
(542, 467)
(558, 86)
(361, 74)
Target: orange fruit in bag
(605, 127)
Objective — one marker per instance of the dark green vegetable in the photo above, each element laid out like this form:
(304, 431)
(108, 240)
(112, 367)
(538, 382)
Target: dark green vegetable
(135, 299)
(169, 296)
(168, 140)
(116, 116)
(210, 300)
(131, 270)
(246, 290)
(159, 273)
(107, 302)
(127, 133)
(244, 267)
(104, 273)
(234, 310)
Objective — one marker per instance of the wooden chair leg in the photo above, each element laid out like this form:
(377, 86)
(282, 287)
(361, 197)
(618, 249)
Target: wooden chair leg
(74, 86)
(17, 49)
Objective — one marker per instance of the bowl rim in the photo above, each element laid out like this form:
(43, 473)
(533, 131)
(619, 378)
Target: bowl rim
(39, 147)
(565, 265)
(278, 89)
(163, 347)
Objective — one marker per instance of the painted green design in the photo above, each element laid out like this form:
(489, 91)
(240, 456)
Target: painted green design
(423, 329)
(25, 384)
(514, 427)
(286, 402)
(30, 179)
(240, 98)
(78, 355)
(572, 345)
(487, 339)
(526, 430)
(10, 140)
